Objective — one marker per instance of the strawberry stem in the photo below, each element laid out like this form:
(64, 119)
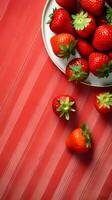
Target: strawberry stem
(77, 73)
(87, 135)
(66, 106)
(67, 50)
(81, 20)
(105, 99)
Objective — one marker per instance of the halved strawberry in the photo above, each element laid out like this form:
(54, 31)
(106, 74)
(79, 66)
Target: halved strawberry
(80, 140)
(63, 45)
(84, 24)
(64, 105)
(77, 70)
(103, 102)
(100, 64)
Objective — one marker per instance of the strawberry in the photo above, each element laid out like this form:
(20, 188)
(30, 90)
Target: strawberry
(102, 39)
(63, 106)
(95, 7)
(60, 21)
(84, 48)
(103, 102)
(77, 70)
(100, 64)
(84, 24)
(63, 45)
(79, 140)
(69, 5)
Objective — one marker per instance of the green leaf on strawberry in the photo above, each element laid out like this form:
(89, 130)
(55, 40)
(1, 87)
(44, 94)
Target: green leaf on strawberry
(65, 107)
(78, 73)
(51, 16)
(66, 51)
(109, 15)
(87, 135)
(81, 20)
(105, 70)
(105, 99)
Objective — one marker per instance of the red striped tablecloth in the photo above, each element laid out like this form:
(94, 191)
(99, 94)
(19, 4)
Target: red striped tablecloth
(34, 162)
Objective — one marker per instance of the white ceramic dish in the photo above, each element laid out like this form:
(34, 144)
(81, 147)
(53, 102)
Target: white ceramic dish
(60, 63)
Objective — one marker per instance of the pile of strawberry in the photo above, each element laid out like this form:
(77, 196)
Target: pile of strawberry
(85, 26)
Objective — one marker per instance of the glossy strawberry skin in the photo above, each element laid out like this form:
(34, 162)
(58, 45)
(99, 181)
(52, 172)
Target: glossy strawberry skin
(87, 31)
(76, 141)
(61, 22)
(102, 40)
(69, 5)
(61, 39)
(70, 73)
(97, 61)
(56, 104)
(95, 7)
(102, 109)
(84, 48)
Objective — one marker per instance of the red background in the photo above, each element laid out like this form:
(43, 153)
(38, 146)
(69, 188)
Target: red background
(34, 161)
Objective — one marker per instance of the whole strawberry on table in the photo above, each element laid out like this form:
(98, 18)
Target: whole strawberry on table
(84, 26)
(63, 106)
(80, 140)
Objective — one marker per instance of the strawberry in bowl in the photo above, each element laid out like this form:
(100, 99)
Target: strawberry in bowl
(77, 70)
(84, 48)
(102, 40)
(60, 21)
(69, 5)
(100, 64)
(84, 24)
(95, 7)
(63, 45)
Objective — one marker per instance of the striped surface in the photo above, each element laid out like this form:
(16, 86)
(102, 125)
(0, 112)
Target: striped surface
(34, 162)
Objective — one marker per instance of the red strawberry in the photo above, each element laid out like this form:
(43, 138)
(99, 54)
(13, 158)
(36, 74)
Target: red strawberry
(103, 102)
(102, 39)
(77, 70)
(95, 7)
(63, 106)
(100, 64)
(60, 21)
(84, 24)
(63, 45)
(84, 48)
(69, 5)
(79, 140)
